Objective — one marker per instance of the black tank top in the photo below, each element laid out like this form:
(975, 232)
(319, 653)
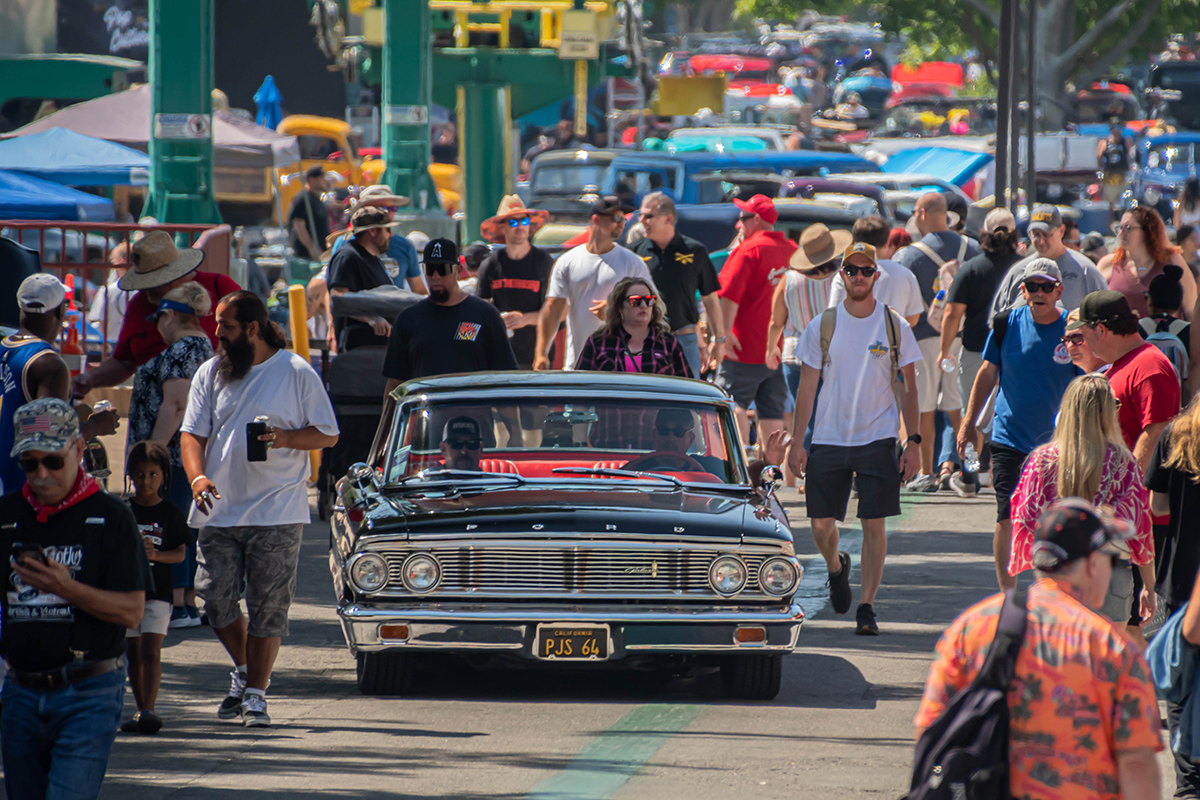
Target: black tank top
(1116, 157)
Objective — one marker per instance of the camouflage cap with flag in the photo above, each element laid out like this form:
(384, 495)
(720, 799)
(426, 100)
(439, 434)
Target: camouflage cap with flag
(46, 424)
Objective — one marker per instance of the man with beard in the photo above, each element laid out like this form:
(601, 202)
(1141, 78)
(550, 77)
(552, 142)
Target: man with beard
(251, 513)
(449, 331)
(857, 348)
(462, 444)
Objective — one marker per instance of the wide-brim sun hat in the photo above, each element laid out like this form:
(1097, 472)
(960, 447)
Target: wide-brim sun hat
(369, 218)
(378, 195)
(511, 207)
(819, 247)
(156, 261)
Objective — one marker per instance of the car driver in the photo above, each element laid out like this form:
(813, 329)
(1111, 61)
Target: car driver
(462, 444)
(673, 434)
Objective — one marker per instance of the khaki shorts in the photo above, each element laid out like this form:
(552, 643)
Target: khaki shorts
(265, 558)
(155, 619)
(937, 390)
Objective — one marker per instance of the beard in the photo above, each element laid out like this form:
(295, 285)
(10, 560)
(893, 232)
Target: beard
(236, 358)
(858, 295)
(439, 295)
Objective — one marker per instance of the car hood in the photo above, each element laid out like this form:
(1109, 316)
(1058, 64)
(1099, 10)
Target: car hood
(532, 510)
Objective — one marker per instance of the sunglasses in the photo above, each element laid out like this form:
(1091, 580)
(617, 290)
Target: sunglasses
(53, 463)
(678, 431)
(1033, 287)
(636, 300)
(1128, 228)
(745, 217)
(852, 270)
(463, 444)
(439, 269)
(1074, 339)
(523, 222)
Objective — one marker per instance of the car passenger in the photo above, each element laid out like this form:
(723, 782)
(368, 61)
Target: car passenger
(462, 444)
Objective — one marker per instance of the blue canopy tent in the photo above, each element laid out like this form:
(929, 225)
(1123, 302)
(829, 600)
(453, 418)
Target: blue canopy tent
(947, 163)
(63, 156)
(26, 197)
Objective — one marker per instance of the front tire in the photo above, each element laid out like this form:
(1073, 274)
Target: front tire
(752, 677)
(385, 673)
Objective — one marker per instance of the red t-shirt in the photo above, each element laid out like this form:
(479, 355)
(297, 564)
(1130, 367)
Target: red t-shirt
(748, 279)
(140, 341)
(1146, 385)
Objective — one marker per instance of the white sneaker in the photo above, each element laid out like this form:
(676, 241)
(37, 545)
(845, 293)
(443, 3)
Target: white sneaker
(961, 487)
(985, 479)
(254, 711)
(922, 483)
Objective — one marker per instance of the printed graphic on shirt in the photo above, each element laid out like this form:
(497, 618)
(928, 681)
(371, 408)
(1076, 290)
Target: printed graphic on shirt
(877, 350)
(1061, 356)
(29, 604)
(516, 283)
(153, 532)
(685, 258)
(775, 274)
(467, 331)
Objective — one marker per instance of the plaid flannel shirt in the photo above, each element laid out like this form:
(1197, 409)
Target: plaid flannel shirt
(661, 354)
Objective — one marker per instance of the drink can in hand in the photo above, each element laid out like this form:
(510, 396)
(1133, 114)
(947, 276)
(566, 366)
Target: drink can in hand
(256, 449)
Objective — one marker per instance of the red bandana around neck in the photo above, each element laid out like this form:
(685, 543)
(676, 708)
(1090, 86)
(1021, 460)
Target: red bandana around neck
(85, 487)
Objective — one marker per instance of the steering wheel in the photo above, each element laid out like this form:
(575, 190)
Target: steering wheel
(675, 462)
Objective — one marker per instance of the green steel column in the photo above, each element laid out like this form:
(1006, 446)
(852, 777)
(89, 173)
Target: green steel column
(484, 136)
(407, 91)
(181, 145)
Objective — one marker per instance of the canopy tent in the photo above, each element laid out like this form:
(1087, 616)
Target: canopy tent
(64, 156)
(25, 197)
(124, 117)
(929, 72)
(947, 163)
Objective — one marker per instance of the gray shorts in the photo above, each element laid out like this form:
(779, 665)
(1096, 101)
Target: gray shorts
(754, 383)
(266, 558)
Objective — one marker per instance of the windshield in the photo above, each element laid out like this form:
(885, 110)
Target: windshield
(567, 179)
(1169, 157)
(693, 443)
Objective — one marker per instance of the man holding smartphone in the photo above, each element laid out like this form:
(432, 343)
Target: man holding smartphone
(76, 575)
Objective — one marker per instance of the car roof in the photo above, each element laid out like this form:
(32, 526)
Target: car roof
(775, 158)
(561, 384)
(906, 178)
(580, 156)
(1171, 138)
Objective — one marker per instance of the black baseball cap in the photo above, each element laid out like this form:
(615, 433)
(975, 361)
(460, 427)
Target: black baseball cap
(460, 428)
(608, 205)
(1102, 306)
(1074, 528)
(441, 251)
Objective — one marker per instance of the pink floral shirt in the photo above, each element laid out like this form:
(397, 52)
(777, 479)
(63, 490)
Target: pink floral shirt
(1121, 488)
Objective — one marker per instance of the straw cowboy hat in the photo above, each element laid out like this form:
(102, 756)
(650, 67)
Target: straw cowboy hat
(377, 195)
(369, 218)
(511, 207)
(157, 261)
(819, 246)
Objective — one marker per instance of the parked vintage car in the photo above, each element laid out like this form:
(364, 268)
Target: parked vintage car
(567, 182)
(604, 520)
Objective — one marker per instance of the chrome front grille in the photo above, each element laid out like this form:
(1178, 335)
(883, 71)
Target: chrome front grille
(602, 570)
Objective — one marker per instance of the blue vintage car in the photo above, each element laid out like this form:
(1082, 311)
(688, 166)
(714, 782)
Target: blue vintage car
(695, 177)
(1164, 165)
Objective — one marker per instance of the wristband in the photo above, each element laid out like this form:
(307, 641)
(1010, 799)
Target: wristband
(198, 477)
(720, 340)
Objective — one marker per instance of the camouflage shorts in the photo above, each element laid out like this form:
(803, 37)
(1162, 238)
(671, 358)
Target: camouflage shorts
(263, 559)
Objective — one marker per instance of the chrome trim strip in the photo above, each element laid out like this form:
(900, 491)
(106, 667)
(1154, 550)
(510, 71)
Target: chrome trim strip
(611, 614)
(555, 540)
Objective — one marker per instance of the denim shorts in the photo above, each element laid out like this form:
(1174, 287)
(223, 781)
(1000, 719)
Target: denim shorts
(266, 558)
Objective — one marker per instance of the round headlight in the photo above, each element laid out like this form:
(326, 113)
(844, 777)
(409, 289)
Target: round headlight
(369, 572)
(421, 573)
(777, 576)
(727, 575)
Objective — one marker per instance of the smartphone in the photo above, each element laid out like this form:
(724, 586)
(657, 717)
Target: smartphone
(33, 552)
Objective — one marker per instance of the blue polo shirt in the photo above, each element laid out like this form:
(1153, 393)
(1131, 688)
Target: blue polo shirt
(1034, 372)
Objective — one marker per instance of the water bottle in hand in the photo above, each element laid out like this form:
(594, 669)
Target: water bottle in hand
(970, 459)
(947, 365)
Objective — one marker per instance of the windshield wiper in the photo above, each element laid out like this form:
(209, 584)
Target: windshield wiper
(620, 473)
(431, 474)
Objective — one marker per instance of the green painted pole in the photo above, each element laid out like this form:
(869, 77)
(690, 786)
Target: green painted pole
(181, 79)
(407, 93)
(484, 126)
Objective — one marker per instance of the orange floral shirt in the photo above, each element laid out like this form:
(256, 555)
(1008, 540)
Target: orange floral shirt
(1081, 694)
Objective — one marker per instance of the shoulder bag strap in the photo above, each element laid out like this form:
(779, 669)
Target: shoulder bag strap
(1001, 662)
(962, 247)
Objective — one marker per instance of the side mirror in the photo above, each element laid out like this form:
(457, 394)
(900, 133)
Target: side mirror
(362, 476)
(770, 478)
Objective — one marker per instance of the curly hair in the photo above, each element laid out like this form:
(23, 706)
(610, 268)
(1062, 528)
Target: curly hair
(1155, 230)
(194, 295)
(616, 300)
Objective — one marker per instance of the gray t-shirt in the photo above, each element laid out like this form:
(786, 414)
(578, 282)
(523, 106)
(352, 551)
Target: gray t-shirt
(1080, 278)
(946, 244)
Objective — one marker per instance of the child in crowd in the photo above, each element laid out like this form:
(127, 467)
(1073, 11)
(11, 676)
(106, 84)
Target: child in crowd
(164, 531)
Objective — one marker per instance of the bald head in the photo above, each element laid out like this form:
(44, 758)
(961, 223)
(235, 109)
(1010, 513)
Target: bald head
(931, 212)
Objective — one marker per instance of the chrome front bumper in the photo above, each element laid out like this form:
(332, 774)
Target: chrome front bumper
(512, 629)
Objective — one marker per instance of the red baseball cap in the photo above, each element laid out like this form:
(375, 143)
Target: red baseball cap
(760, 205)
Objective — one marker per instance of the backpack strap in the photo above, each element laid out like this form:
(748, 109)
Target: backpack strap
(999, 328)
(1000, 665)
(930, 253)
(892, 326)
(828, 324)
(962, 247)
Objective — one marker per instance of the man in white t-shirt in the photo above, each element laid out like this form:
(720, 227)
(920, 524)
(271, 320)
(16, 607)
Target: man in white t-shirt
(897, 286)
(251, 514)
(857, 422)
(581, 280)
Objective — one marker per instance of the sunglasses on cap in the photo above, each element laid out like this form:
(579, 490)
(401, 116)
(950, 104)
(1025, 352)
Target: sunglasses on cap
(522, 222)
(852, 270)
(29, 464)
(463, 444)
(636, 300)
(439, 268)
(678, 431)
(1034, 287)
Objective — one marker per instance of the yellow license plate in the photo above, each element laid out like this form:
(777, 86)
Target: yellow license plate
(572, 642)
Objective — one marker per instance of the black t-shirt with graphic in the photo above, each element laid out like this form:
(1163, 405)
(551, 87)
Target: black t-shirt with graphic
(429, 339)
(40, 630)
(166, 526)
(517, 285)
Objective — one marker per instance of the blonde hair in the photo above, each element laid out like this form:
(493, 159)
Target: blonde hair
(194, 295)
(1183, 449)
(1087, 427)
(616, 300)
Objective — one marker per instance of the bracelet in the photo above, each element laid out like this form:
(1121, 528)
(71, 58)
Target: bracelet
(720, 340)
(198, 477)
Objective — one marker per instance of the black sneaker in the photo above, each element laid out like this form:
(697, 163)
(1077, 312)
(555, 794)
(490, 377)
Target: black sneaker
(865, 617)
(839, 585)
(231, 706)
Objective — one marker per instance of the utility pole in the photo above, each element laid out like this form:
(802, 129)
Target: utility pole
(1031, 114)
(407, 95)
(1004, 104)
(181, 140)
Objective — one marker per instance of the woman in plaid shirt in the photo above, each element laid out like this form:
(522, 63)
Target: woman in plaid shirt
(634, 337)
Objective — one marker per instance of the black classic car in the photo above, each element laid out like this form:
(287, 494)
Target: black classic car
(563, 518)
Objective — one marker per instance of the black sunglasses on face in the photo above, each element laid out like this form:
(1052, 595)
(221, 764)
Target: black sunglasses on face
(439, 269)
(29, 465)
(745, 217)
(1075, 339)
(636, 300)
(1034, 287)
(852, 270)
(678, 431)
(463, 444)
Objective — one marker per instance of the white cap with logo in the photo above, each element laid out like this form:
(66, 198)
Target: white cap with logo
(41, 293)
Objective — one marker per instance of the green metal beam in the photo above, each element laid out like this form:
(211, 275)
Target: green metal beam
(537, 76)
(407, 88)
(485, 128)
(57, 76)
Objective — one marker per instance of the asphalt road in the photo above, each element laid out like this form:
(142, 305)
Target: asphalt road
(840, 728)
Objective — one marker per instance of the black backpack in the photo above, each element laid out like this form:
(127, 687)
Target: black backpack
(963, 755)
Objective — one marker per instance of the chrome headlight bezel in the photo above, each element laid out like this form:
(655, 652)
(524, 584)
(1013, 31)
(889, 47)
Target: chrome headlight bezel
(363, 561)
(719, 564)
(775, 562)
(406, 571)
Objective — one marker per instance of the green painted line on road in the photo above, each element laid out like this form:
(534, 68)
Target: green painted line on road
(612, 758)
